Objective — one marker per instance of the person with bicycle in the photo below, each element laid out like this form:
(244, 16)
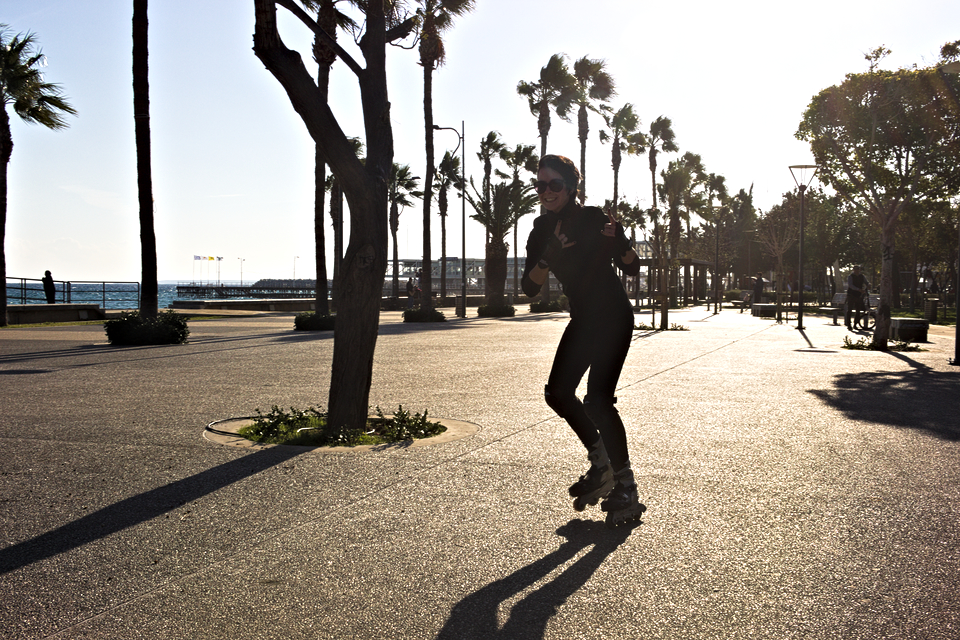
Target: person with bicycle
(857, 286)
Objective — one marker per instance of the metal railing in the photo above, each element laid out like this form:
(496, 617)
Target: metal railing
(110, 295)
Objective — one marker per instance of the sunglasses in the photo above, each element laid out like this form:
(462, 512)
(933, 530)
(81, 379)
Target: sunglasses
(556, 185)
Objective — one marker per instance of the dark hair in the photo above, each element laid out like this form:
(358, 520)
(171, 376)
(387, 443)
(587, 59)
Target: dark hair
(566, 168)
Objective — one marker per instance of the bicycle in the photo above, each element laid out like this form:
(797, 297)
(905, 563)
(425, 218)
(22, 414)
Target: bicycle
(869, 317)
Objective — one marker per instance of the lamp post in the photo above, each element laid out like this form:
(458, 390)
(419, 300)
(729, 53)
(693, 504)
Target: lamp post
(461, 144)
(716, 268)
(295, 269)
(242, 260)
(799, 171)
(954, 67)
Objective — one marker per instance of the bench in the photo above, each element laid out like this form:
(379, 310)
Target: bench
(764, 309)
(836, 307)
(742, 303)
(908, 329)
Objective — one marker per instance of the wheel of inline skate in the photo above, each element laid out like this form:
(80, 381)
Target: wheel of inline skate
(631, 514)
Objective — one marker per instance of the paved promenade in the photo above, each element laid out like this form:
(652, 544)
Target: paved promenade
(794, 489)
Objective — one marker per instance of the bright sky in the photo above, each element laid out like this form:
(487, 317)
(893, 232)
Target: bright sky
(233, 164)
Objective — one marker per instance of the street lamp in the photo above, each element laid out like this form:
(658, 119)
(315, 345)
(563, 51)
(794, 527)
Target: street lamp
(954, 67)
(716, 268)
(799, 173)
(242, 260)
(295, 269)
(463, 201)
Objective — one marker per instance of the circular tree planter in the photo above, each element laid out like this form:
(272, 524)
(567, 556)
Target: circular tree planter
(225, 432)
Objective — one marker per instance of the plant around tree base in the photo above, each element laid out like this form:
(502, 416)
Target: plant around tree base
(866, 345)
(309, 427)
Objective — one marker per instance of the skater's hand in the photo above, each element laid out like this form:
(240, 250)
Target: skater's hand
(611, 229)
(610, 226)
(555, 244)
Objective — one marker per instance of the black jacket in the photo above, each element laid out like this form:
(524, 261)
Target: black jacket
(584, 270)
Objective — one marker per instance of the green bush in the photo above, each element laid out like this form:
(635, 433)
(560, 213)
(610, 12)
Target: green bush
(496, 311)
(309, 427)
(423, 315)
(168, 327)
(310, 321)
(545, 307)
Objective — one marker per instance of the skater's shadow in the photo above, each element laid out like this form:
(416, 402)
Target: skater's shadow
(476, 615)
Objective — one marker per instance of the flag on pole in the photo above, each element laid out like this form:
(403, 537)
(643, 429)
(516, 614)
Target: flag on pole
(198, 257)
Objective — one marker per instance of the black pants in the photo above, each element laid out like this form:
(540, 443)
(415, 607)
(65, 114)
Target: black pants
(600, 344)
(854, 303)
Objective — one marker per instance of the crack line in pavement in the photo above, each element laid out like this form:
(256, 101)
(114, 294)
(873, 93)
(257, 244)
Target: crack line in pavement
(696, 357)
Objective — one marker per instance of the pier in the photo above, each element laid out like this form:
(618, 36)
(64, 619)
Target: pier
(194, 291)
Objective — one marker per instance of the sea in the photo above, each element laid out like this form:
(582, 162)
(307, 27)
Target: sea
(108, 295)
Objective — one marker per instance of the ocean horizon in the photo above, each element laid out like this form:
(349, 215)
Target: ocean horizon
(118, 296)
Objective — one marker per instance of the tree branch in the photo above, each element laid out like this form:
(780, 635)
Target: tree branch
(401, 31)
(290, 6)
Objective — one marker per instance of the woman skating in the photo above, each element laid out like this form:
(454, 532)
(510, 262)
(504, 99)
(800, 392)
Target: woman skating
(578, 244)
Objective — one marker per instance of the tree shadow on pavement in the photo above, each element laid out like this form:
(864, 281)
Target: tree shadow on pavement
(140, 508)
(476, 616)
(920, 398)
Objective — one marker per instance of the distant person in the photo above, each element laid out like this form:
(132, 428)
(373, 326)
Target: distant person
(581, 245)
(758, 288)
(856, 288)
(49, 289)
(410, 289)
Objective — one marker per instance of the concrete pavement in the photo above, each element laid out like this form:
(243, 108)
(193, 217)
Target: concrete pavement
(794, 489)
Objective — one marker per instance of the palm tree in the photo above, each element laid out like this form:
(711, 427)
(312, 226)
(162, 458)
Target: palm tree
(594, 84)
(624, 138)
(660, 138)
(715, 186)
(149, 291)
(402, 187)
(34, 101)
(436, 16)
(448, 174)
(510, 201)
(523, 157)
(556, 89)
(490, 147)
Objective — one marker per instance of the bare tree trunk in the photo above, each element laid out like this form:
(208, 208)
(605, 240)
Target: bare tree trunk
(394, 227)
(149, 288)
(544, 130)
(443, 256)
(320, 180)
(336, 220)
(882, 329)
(426, 282)
(365, 186)
(583, 129)
(6, 150)
(496, 271)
